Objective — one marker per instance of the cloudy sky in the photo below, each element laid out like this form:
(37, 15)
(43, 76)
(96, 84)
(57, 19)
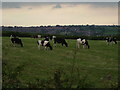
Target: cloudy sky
(70, 13)
(60, 0)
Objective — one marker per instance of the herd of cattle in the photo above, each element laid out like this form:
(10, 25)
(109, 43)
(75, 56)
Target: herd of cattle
(46, 42)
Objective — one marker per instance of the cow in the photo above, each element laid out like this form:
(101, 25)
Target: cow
(44, 43)
(53, 37)
(11, 36)
(39, 36)
(83, 42)
(111, 40)
(46, 38)
(16, 40)
(36, 36)
(60, 40)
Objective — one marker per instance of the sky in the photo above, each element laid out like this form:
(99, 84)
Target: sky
(60, 0)
(57, 13)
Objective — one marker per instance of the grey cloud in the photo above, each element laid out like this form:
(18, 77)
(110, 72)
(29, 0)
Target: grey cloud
(57, 6)
(60, 0)
(104, 4)
(29, 8)
(9, 5)
(94, 4)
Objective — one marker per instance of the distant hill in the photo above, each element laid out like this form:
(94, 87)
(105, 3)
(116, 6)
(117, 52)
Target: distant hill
(77, 30)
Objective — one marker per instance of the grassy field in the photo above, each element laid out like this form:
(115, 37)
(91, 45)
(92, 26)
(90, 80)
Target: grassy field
(96, 67)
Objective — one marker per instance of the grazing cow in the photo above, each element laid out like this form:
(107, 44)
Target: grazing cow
(111, 40)
(11, 36)
(60, 40)
(46, 38)
(35, 36)
(39, 36)
(83, 42)
(16, 40)
(44, 43)
(50, 37)
(53, 37)
(115, 40)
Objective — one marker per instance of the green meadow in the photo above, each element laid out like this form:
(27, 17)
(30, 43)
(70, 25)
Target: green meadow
(62, 67)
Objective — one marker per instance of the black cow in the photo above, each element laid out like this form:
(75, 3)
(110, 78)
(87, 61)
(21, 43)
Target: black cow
(16, 40)
(60, 40)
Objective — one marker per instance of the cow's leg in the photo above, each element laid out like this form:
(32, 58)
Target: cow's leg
(62, 44)
(115, 42)
(14, 44)
(54, 44)
(38, 46)
(110, 43)
(45, 48)
(20, 42)
(78, 45)
(83, 45)
(50, 47)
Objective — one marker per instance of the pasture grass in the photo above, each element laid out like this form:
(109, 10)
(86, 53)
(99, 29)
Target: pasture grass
(97, 66)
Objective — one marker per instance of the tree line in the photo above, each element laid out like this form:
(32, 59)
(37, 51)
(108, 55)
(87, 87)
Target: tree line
(26, 34)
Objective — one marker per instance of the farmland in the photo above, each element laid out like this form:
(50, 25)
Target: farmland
(97, 66)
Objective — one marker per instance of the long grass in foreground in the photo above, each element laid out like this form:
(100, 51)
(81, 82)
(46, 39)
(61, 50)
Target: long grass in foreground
(62, 67)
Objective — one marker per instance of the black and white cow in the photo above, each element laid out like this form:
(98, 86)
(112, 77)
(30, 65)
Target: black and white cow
(16, 40)
(53, 37)
(44, 43)
(83, 42)
(60, 41)
(39, 36)
(111, 40)
(46, 38)
(11, 36)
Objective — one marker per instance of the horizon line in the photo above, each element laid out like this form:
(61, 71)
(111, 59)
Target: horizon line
(64, 25)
